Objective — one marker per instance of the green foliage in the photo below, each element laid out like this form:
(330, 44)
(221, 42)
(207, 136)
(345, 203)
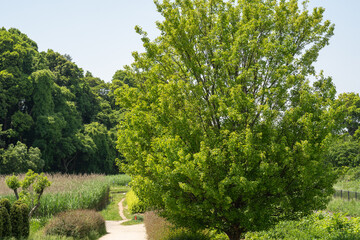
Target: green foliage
(43, 81)
(19, 158)
(344, 152)
(157, 228)
(349, 180)
(100, 157)
(22, 123)
(13, 182)
(111, 212)
(134, 204)
(5, 224)
(33, 186)
(92, 194)
(316, 226)
(118, 180)
(24, 209)
(222, 128)
(350, 208)
(17, 54)
(185, 235)
(45, 103)
(4, 202)
(349, 104)
(19, 219)
(77, 224)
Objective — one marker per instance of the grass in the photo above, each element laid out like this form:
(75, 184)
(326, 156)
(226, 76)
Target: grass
(136, 219)
(126, 212)
(158, 228)
(350, 208)
(131, 216)
(348, 185)
(37, 233)
(111, 212)
(70, 192)
(319, 225)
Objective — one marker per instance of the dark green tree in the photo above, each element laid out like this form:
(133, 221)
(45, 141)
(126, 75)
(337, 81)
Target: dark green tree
(99, 149)
(46, 103)
(17, 54)
(19, 158)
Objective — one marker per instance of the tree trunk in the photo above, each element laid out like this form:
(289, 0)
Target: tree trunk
(16, 194)
(235, 233)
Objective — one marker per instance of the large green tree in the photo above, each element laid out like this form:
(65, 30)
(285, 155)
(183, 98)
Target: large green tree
(47, 102)
(221, 127)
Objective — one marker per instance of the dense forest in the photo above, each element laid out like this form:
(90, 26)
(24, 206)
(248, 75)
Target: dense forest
(53, 116)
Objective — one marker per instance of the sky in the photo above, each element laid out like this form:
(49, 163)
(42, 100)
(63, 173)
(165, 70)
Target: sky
(99, 35)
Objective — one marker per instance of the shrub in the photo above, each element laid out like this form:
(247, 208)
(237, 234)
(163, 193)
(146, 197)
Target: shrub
(158, 228)
(316, 226)
(181, 234)
(134, 204)
(77, 224)
(24, 209)
(4, 202)
(17, 221)
(5, 226)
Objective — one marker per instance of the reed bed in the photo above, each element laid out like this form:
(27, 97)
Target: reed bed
(70, 192)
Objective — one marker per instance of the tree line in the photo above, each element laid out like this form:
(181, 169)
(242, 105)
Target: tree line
(53, 116)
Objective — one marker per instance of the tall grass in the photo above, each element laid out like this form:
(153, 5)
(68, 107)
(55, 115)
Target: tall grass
(348, 185)
(350, 208)
(70, 192)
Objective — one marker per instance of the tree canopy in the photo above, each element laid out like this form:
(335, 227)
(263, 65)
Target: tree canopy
(222, 128)
(48, 107)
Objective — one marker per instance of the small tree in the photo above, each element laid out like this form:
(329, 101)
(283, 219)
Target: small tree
(221, 127)
(33, 186)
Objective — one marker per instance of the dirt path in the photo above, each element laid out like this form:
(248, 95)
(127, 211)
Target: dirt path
(121, 210)
(117, 231)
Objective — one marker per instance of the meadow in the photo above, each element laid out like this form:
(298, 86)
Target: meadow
(69, 192)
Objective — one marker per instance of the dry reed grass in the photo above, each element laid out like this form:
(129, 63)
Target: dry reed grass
(157, 228)
(77, 223)
(59, 182)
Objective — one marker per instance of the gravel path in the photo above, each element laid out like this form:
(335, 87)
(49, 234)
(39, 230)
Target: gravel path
(117, 231)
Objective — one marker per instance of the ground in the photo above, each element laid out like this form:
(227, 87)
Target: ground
(117, 231)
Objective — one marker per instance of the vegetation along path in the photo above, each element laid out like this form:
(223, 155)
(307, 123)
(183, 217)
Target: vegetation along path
(117, 231)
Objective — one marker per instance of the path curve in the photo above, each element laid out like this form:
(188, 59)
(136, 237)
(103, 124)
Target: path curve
(117, 231)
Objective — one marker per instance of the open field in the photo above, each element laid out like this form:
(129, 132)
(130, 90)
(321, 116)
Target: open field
(72, 192)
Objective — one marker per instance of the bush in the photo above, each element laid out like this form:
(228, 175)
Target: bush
(316, 226)
(158, 228)
(134, 204)
(77, 224)
(5, 225)
(181, 234)
(24, 209)
(18, 212)
(4, 202)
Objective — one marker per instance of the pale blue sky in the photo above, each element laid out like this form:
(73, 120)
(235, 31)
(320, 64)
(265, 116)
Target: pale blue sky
(100, 36)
